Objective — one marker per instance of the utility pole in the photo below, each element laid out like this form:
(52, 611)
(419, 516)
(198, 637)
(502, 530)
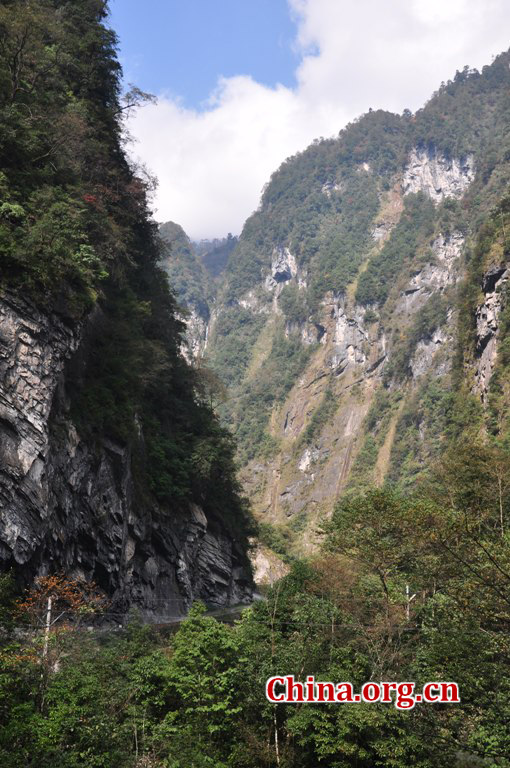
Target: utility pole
(409, 600)
(276, 746)
(47, 626)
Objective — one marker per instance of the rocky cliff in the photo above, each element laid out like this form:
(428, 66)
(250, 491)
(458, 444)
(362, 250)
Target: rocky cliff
(72, 506)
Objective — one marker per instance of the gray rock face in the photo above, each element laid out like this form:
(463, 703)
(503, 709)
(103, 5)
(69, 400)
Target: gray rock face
(435, 277)
(425, 354)
(197, 331)
(310, 332)
(352, 343)
(65, 505)
(253, 302)
(330, 187)
(283, 268)
(436, 175)
(381, 231)
(487, 327)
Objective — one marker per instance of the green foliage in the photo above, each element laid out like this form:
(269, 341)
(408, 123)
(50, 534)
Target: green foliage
(275, 538)
(320, 204)
(214, 254)
(63, 182)
(201, 682)
(490, 252)
(8, 595)
(362, 473)
(430, 418)
(376, 426)
(416, 225)
(74, 232)
(344, 246)
(235, 333)
(293, 304)
(499, 396)
(184, 269)
(136, 376)
(375, 529)
(466, 111)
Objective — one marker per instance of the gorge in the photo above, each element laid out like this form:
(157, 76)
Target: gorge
(284, 454)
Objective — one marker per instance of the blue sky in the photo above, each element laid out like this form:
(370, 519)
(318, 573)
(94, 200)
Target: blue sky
(243, 84)
(181, 47)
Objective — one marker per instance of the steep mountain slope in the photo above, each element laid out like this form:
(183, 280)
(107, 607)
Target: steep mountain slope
(341, 325)
(190, 281)
(214, 254)
(112, 465)
(195, 271)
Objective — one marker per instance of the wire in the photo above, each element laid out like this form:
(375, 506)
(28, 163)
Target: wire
(261, 620)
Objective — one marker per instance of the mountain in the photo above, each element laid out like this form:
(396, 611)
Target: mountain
(190, 281)
(360, 321)
(195, 271)
(113, 467)
(214, 254)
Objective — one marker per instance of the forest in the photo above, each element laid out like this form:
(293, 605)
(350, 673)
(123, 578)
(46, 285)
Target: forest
(195, 695)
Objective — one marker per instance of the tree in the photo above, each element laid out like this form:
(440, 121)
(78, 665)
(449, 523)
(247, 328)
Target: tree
(203, 702)
(55, 604)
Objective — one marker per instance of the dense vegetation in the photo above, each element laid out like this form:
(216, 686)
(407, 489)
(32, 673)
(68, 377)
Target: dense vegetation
(489, 253)
(320, 204)
(197, 698)
(76, 234)
(215, 254)
(439, 411)
(185, 270)
(415, 227)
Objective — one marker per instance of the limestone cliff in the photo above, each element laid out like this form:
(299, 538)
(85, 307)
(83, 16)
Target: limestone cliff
(437, 175)
(488, 312)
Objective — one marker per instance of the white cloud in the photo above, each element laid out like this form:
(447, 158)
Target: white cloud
(355, 54)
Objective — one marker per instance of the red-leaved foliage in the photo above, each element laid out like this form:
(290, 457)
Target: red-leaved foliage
(72, 600)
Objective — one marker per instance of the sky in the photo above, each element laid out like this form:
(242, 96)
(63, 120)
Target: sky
(243, 84)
